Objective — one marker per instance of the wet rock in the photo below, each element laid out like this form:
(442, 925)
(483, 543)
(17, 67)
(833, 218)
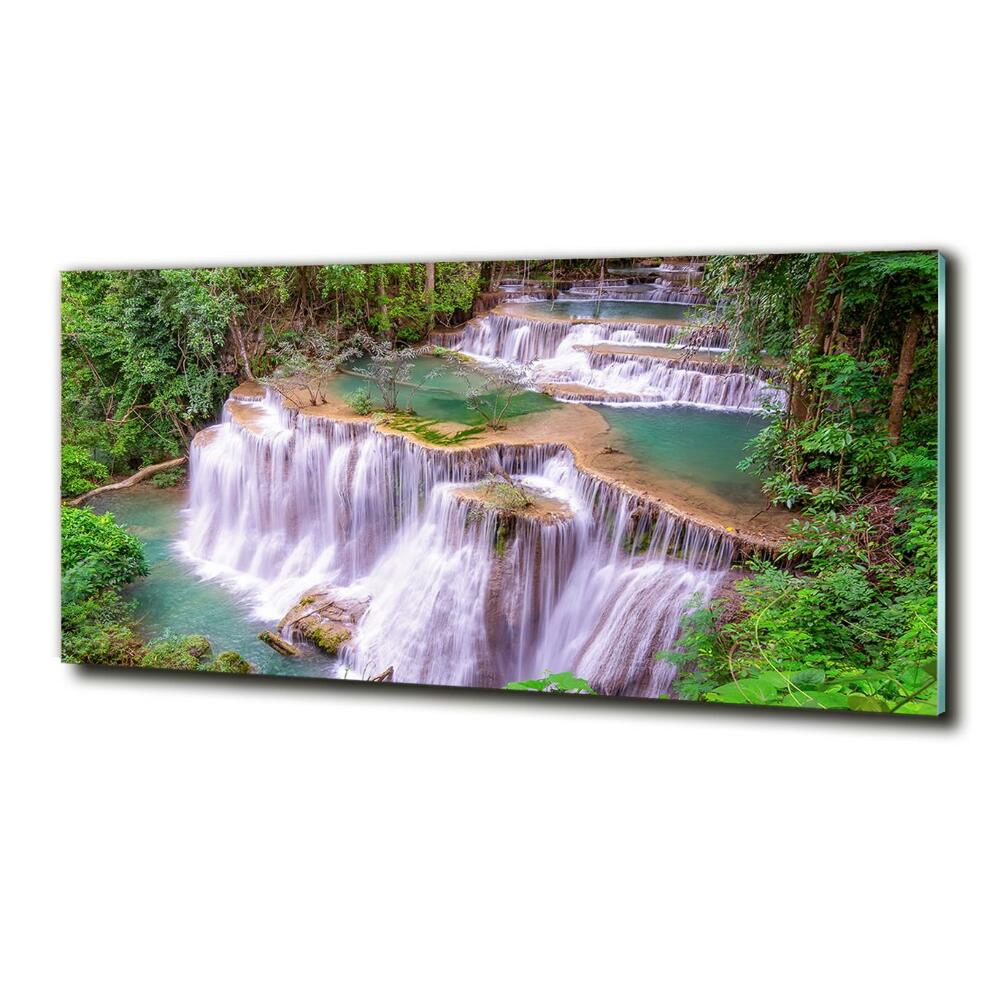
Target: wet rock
(325, 618)
(513, 500)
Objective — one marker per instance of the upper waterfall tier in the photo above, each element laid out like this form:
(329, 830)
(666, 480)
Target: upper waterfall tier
(522, 339)
(620, 363)
(658, 290)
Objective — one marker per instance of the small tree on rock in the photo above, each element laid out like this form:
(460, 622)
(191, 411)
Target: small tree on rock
(491, 391)
(308, 366)
(390, 368)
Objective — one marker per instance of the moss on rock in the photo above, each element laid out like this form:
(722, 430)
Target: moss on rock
(327, 636)
(510, 499)
(324, 617)
(229, 662)
(184, 653)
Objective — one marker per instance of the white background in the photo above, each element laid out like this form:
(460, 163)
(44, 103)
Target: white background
(217, 837)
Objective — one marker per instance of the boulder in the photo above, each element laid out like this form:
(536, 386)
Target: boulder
(510, 500)
(325, 617)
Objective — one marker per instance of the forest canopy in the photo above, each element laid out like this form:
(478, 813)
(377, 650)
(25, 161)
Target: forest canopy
(846, 616)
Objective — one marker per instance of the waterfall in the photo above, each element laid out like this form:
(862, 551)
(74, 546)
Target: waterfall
(454, 593)
(644, 380)
(668, 291)
(557, 358)
(659, 290)
(515, 338)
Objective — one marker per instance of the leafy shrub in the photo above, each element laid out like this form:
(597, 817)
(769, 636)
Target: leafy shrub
(80, 472)
(169, 477)
(99, 630)
(828, 538)
(858, 632)
(229, 662)
(360, 401)
(564, 683)
(507, 496)
(97, 553)
(176, 653)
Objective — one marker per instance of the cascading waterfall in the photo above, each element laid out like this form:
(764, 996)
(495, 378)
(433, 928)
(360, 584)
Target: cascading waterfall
(659, 290)
(282, 502)
(555, 354)
(667, 291)
(660, 381)
(514, 338)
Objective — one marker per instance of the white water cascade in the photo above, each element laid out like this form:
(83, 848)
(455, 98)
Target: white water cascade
(514, 338)
(646, 380)
(659, 290)
(567, 354)
(281, 502)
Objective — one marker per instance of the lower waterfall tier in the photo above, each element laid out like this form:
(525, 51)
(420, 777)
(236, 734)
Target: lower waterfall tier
(449, 589)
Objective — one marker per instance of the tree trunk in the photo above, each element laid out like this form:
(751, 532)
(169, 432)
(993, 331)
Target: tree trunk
(429, 294)
(902, 382)
(811, 316)
(383, 302)
(812, 322)
(138, 477)
(241, 346)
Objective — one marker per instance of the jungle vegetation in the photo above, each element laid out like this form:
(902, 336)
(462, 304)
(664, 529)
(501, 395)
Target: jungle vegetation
(98, 624)
(846, 616)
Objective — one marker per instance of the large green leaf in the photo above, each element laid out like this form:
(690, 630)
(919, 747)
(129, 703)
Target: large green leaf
(565, 681)
(531, 685)
(815, 699)
(750, 691)
(811, 677)
(866, 703)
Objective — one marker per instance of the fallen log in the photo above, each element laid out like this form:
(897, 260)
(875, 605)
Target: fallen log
(279, 645)
(138, 477)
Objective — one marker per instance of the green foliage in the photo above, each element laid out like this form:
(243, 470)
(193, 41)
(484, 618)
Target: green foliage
(142, 360)
(228, 662)
(505, 496)
(838, 322)
(840, 449)
(149, 356)
(427, 429)
(853, 627)
(80, 472)
(99, 630)
(167, 479)
(176, 653)
(456, 284)
(303, 369)
(562, 683)
(360, 401)
(917, 514)
(391, 299)
(97, 553)
(828, 538)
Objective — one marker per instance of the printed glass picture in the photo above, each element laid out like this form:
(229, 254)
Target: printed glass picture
(698, 479)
